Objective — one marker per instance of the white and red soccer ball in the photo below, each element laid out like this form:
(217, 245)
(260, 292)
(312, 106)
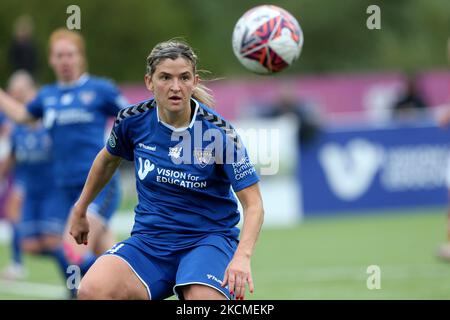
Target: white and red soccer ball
(267, 39)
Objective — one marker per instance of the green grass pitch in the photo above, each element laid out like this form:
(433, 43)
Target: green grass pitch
(321, 258)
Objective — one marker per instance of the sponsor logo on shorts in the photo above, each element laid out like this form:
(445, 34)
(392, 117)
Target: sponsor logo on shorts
(211, 277)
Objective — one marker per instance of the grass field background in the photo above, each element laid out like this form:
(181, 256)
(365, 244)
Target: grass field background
(321, 258)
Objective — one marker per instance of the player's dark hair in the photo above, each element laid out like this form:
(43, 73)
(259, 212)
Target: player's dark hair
(174, 49)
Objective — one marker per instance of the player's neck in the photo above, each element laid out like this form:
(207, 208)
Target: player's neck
(72, 81)
(180, 119)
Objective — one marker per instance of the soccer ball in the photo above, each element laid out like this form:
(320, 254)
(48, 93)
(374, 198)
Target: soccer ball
(267, 39)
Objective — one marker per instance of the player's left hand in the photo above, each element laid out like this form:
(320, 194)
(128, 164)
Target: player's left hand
(238, 275)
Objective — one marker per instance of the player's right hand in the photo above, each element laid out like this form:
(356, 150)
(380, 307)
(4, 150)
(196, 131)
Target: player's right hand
(79, 226)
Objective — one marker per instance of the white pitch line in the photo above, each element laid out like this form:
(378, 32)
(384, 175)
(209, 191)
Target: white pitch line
(36, 290)
(392, 272)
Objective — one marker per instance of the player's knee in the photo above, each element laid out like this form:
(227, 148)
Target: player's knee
(105, 241)
(87, 291)
(201, 292)
(50, 242)
(31, 246)
(90, 290)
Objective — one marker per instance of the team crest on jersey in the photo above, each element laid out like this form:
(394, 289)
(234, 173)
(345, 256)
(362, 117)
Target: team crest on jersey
(175, 152)
(87, 97)
(203, 156)
(67, 99)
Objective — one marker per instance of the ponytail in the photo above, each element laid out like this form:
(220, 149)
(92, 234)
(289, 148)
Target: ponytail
(204, 95)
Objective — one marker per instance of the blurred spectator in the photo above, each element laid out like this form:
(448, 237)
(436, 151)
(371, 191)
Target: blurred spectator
(289, 105)
(411, 104)
(22, 51)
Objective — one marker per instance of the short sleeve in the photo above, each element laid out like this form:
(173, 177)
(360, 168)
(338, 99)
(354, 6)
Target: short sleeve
(113, 99)
(36, 106)
(237, 164)
(119, 142)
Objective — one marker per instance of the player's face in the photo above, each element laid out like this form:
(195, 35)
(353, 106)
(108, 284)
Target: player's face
(66, 60)
(21, 90)
(172, 84)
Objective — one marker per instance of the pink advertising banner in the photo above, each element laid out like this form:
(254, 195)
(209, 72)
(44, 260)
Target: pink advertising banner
(370, 95)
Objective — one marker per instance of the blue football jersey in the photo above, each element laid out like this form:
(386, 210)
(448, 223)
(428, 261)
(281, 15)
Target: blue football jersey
(3, 119)
(76, 116)
(183, 176)
(31, 147)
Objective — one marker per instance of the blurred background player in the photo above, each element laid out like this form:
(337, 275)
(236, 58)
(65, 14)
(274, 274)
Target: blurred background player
(75, 110)
(22, 55)
(14, 270)
(36, 222)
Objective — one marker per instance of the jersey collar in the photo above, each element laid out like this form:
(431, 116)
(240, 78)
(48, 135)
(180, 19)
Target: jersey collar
(77, 83)
(183, 128)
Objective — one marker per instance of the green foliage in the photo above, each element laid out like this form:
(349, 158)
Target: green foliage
(120, 34)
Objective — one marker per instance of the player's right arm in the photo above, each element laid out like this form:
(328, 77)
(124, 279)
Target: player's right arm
(102, 170)
(13, 109)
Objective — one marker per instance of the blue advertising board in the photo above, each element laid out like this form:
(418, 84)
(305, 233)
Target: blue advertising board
(365, 169)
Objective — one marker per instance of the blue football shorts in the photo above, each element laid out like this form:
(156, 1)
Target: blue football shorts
(103, 206)
(41, 216)
(163, 272)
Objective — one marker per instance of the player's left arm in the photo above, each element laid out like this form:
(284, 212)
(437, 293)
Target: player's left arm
(238, 273)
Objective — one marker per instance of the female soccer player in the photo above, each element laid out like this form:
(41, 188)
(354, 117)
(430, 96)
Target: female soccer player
(187, 158)
(75, 111)
(21, 86)
(39, 224)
